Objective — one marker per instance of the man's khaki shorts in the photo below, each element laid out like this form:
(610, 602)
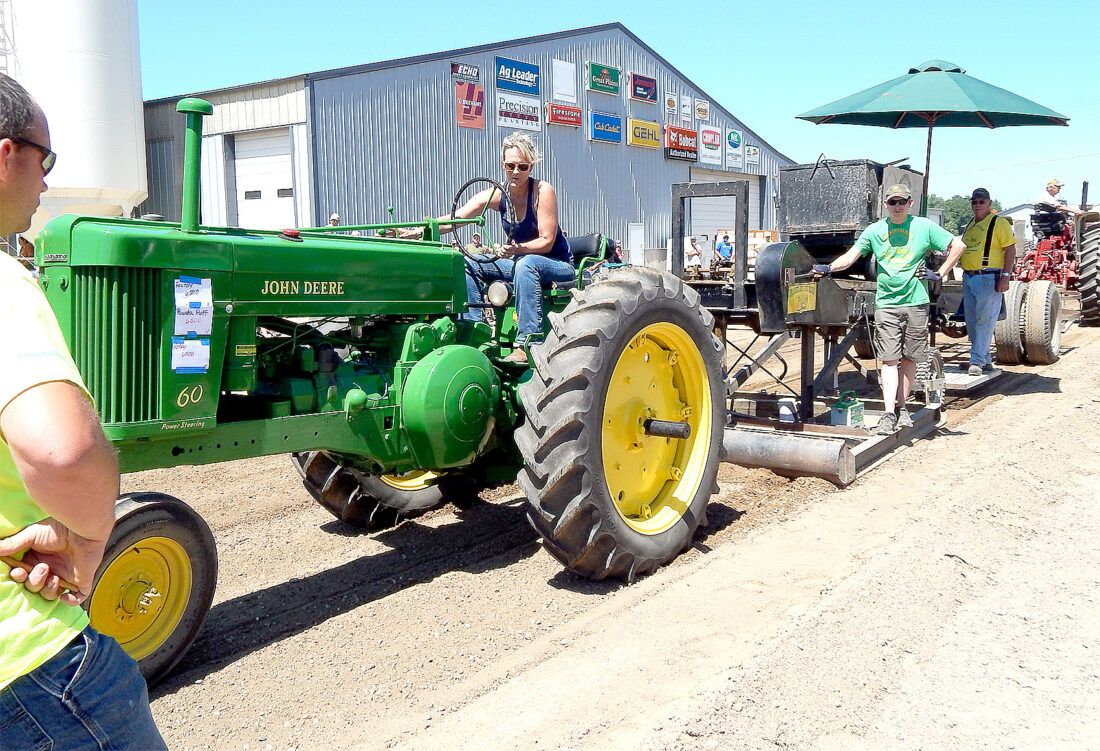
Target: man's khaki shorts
(901, 333)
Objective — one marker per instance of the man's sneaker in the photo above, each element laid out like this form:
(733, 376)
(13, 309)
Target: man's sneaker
(987, 367)
(905, 420)
(974, 370)
(887, 424)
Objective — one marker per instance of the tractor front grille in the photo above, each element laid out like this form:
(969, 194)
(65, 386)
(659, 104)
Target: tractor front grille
(116, 344)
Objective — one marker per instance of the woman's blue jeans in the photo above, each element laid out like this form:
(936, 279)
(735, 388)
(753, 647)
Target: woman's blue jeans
(90, 695)
(530, 274)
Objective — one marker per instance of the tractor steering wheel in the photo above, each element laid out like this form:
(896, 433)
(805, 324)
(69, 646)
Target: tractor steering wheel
(497, 188)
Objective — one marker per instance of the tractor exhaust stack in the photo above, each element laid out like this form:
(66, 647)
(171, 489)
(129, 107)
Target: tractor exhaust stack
(195, 109)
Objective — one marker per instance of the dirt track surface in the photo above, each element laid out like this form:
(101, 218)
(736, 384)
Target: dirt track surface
(947, 599)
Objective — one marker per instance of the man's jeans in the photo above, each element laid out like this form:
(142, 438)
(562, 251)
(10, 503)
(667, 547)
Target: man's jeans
(90, 695)
(981, 304)
(530, 274)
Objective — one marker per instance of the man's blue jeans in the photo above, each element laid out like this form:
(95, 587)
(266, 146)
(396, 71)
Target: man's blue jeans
(90, 695)
(530, 274)
(981, 304)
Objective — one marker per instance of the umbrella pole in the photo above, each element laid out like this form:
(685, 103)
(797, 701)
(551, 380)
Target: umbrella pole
(927, 166)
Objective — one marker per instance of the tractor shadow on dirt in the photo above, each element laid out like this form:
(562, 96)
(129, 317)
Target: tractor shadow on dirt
(483, 537)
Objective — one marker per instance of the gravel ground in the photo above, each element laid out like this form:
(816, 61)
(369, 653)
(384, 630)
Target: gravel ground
(944, 600)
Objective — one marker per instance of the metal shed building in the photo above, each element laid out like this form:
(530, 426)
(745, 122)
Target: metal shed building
(617, 123)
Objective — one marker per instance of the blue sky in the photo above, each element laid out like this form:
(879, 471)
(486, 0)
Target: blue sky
(765, 62)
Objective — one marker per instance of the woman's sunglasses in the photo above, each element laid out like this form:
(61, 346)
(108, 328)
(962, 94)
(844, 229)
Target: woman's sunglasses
(49, 158)
(521, 166)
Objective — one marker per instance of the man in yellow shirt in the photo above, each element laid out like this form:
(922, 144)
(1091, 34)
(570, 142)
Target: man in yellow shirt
(62, 684)
(987, 268)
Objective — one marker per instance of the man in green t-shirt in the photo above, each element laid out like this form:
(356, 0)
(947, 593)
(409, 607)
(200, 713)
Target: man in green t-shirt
(900, 244)
(62, 684)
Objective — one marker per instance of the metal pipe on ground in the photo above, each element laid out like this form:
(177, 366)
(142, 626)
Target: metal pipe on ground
(787, 454)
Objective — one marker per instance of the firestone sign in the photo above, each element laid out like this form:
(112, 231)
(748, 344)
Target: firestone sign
(681, 143)
(605, 78)
(564, 114)
(518, 76)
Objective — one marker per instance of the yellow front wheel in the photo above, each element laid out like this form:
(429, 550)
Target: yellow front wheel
(610, 494)
(155, 585)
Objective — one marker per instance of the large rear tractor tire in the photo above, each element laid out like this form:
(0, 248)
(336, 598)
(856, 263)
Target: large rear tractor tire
(155, 585)
(1088, 268)
(1042, 326)
(610, 499)
(1007, 333)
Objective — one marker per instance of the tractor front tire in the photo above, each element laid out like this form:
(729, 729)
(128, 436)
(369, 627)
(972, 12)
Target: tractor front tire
(156, 582)
(1007, 334)
(1042, 325)
(1088, 269)
(609, 499)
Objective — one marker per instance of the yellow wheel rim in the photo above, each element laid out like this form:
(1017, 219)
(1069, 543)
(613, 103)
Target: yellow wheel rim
(142, 595)
(660, 375)
(416, 479)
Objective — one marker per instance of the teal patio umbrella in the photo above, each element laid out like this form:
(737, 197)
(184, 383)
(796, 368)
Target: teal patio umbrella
(936, 94)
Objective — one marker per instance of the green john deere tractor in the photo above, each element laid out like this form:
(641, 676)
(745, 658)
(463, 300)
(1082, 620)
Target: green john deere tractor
(206, 344)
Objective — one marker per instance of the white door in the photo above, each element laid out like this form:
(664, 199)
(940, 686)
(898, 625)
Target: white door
(635, 244)
(265, 183)
(713, 216)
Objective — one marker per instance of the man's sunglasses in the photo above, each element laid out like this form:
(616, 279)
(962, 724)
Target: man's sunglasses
(521, 166)
(979, 200)
(49, 158)
(897, 202)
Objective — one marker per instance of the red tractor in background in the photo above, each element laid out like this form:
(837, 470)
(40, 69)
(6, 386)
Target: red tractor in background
(1067, 253)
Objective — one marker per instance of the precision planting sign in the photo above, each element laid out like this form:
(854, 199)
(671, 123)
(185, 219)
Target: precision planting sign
(643, 88)
(469, 105)
(681, 143)
(605, 127)
(710, 145)
(644, 133)
(515, 75)
(605, 78)
(564, 114)
(522, 112)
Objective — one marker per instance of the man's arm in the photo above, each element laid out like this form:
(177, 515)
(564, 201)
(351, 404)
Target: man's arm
(70, 471)
(954, 253)
(845, 261)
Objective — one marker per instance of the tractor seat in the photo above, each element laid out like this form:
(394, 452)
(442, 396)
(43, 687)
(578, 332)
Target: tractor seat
(1046, 221)
(585, 246)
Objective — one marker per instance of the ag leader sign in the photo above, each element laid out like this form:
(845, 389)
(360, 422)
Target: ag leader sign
(681, 143)
(521, 112)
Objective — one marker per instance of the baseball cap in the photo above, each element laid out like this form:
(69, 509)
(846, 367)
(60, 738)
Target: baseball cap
(898, 190)
(1054, 182)
(979, 193)
(334, 215)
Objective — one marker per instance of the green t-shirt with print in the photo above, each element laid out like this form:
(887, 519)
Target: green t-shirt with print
(899, 251)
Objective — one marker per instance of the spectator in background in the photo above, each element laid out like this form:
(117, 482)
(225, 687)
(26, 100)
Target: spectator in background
(475, 246)
(1051, 201)
(334, 219)
(987, 266)
(725, 249)
(694, 254)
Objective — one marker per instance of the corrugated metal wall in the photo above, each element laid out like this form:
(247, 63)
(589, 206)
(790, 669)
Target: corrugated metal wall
(388, 137)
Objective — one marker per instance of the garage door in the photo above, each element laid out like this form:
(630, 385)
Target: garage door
(712, 215)
(265, 184)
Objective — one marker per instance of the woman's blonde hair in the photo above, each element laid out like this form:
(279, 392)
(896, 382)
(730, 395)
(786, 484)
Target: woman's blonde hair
(525, 145)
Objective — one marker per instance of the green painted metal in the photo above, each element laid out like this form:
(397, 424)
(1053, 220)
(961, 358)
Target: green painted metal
(195, 110)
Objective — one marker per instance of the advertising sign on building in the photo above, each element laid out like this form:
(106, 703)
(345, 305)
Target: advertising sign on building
(644, 133)
(752, 155)
(685, 108)
(469, 105)
(522, 112)
(710, 145)
(735, 152)
(465, 72)
(605, 127)
(670, 107)
(702, 110)
(643, 88)
(681, 143)
(564, 83)
(605, 78)
(516, 75)
(564, 114)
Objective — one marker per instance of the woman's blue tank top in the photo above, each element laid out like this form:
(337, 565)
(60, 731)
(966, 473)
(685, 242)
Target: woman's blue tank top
(528, 228)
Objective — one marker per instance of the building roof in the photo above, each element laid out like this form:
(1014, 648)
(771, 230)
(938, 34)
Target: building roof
(417, 59)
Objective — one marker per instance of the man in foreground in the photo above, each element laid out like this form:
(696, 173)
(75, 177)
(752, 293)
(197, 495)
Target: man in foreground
(987, 268)
(900, 243)
(62, 684)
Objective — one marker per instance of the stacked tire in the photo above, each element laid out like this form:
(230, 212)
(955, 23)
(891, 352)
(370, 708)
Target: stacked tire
(1031, 331)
